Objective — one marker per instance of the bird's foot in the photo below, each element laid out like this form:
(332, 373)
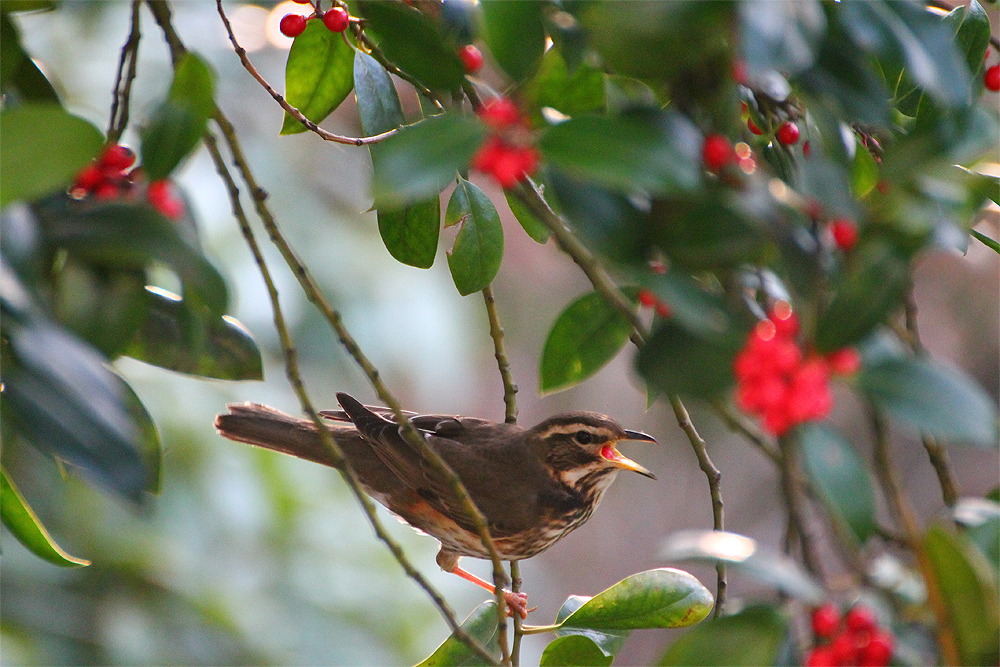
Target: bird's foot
(517, 603)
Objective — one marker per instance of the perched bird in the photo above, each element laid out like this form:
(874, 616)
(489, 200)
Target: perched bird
(532, 485)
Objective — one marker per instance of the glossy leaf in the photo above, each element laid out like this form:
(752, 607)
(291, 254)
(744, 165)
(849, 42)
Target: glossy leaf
(743, 553)
(413, 43)
(873, 285)
(102, 306)
(610, 642)
(676, 360)
(933, 397)
(969, 589)
(23, 524)
(655, 152)
(754, 636)
(178, 123)
(973, 34)
(481, 625)
(586, 335)
(318, 75)
(571, 93)
(515, 35)
(531, 225)
(691, 306)
(660, 598)
(781, 36)
(42, 148)
(840, 476)
(478, 251)
(178, 337)
(864, 171)
(424, 158)
(18, 72)
(127, 235)
(574, 651)
(410, 232)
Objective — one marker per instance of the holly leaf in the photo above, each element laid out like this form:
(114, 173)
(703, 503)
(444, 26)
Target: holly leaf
(318, 75)
(24, 524)
(753, 636)
(574, 651)
(478, 251)
(515, 35)
(481, 625)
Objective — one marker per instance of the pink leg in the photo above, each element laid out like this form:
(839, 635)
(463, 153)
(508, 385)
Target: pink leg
(516, 602)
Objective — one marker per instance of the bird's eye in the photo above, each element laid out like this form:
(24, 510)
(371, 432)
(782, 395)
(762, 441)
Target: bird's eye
(584, 437)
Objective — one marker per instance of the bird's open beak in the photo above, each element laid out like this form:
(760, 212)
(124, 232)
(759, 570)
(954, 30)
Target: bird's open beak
(611, 454)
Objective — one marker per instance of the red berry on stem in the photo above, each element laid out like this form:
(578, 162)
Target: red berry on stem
(845, 233)
(878, 652)
(826, 620)
(806, 149)
(845, 361)
(663, 310)
(163, 198)
(500, 113)
(89, 178)
(788, 133)
(336, 19)
(753, 126)
(117, 158)
(471, 57)
(646, 298)
(860, 618)
(717, 152)
(821, 656)
(292, 25)
(992, 78)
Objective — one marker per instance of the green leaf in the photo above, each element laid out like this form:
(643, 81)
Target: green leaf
(839, 474)
(424, 158)
(515, 35)
(573, 651)
(18, 72)
(873, 286)
(932, 397)
(986, 241)
(22, 522)
(410, 232)
(478, 251)
(754, 636)
(676, 360)
(180, 338)
(318, 75)
(571, 93)
(532, 226)
(780, 36)
(980, 521)
(130, 235)
(973, 35)
(42, 147)
(743, 553)
(610, 642)
(969, 589)
(698, 310)
(587, 335)
(481, 625)
(651, 151)
(660, 598)
(864, 171)
(178, 123)
(413, 43)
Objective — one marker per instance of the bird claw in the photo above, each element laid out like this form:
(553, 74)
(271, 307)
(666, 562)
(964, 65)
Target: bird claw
(517, 603)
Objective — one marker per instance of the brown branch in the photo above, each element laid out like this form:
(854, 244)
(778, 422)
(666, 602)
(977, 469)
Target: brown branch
(793, 488)
(503, 364)
(122, 93)
(292, 111)
(906, 517)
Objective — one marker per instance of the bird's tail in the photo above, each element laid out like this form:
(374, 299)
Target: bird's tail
(263, 426)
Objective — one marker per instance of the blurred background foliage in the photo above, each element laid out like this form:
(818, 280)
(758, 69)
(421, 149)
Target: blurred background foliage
(247, 557)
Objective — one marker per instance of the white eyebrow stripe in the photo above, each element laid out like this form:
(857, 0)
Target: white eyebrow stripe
(572, 429)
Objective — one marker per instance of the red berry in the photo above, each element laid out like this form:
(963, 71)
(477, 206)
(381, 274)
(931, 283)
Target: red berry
(753, 126)
(845, 361)
(500, 113)
(786, 322)
(860, 618)
(739, 72)
(821, 656)
(89, 178)
(878, 651)
(506, 163)
(806, 149)
(788, 133)
(336, 19)
(843, 649)
(826, 620)
(992, 78)
(163, 198)
(292, 25)
(646, 298)
(845, 233)
(471, 57)
(659, 268)
(117, 158)
(717, 152)
(106, 190)
(663, 310)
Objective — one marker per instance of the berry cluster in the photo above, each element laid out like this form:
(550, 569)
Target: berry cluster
(293, 25)
(110, 177)
(856, 639)
(787, 133)
(778, 383)
(508, 154)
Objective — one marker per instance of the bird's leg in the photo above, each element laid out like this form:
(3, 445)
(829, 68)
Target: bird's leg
(516, 602)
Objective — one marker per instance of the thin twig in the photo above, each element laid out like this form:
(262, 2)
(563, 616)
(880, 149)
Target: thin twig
(714, 488)
(292, 111)
(793, 488)
(906, 517)
(162, 14)
(122, 93)
(515, 587)
(503, 364)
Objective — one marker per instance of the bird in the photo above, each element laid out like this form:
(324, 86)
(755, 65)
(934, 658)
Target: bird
(532, 485)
